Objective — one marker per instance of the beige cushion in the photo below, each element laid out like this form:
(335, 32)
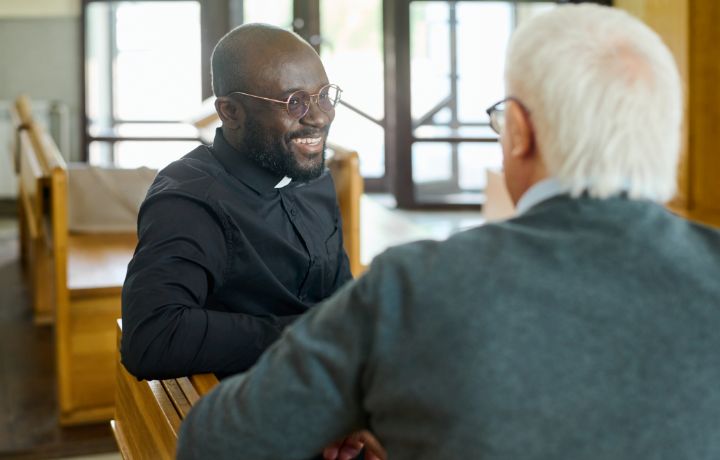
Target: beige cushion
(105, 200)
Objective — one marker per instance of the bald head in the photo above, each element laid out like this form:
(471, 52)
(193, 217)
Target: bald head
(256, 69)
(242, 57)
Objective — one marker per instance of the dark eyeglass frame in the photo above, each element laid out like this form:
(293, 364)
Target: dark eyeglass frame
(496, 113)
(301, 95)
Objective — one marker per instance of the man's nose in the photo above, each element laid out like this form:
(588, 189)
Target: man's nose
(315, 116)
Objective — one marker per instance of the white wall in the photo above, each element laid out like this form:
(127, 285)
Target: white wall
(8, 183)
(38, 8)
(40, 56)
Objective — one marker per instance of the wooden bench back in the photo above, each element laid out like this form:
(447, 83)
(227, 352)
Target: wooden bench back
(43, 201)
(344, 166)
(43, 188)
(148, 414)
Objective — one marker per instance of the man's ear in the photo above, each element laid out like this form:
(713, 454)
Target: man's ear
(520, 131)
(231, 113)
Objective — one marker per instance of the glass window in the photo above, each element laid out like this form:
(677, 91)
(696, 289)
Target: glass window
(475, 159)
(355, 132)
(457, 56)
(143, 66)
(277, 12)
(352, 53)
(157, 66)
(429, 62)
(98, 63)
(483, 31)
(432, 162)
(100, 154)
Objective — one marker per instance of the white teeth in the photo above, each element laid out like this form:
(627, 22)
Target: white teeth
(308, 140)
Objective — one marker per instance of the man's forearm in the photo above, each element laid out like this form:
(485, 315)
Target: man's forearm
(182, 341)
(300, 397)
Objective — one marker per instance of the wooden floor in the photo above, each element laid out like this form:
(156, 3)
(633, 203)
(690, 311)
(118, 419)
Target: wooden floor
(28, 406)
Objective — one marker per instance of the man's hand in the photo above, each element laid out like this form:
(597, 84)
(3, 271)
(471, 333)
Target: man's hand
(349, 447)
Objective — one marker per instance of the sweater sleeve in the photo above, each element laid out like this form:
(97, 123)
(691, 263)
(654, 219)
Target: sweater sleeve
(305, 391)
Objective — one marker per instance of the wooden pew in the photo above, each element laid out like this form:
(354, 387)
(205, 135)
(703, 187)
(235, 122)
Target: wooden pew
(148, 414)
(75, 278)
(344, 166)
(34, 175)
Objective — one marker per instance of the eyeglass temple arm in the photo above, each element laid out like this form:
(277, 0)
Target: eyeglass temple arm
(313, 97)
(259, 97)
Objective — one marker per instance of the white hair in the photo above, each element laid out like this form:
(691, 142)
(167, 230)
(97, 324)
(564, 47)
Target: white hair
(605, 100)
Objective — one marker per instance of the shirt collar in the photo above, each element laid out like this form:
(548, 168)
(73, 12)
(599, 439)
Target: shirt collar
(283, 182)
(245, 169)
(541, 191)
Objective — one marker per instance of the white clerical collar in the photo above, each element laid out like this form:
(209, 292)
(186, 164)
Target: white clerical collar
(541, 191)
(285, 180)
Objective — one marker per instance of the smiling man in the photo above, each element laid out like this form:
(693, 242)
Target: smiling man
(238, 239)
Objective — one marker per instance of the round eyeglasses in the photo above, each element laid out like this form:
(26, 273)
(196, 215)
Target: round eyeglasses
(496, 113)
(298, 103)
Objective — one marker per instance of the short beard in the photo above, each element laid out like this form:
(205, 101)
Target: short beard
(270, 153)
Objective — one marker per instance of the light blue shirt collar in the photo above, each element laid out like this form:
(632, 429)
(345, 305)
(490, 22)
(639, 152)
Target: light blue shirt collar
(541, 191)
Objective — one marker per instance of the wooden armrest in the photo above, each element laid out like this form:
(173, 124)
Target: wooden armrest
(23, 109)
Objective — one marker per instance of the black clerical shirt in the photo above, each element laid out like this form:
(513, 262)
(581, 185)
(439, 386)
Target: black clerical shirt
(226, 258)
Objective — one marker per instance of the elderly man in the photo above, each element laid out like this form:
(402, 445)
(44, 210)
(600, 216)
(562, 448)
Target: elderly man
(583, 328)
(238, 239)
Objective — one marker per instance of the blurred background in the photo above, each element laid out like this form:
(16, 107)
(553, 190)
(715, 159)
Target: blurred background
(120, 80)
(126, 85)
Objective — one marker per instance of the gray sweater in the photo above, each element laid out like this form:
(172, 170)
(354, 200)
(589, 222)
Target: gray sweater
(583, 329)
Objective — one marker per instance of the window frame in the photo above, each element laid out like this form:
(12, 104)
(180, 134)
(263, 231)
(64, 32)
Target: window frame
(399, 123)
(214, 23)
